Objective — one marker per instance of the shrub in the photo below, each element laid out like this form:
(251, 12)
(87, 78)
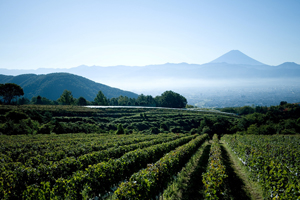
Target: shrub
(46, 128)
(120, 130)
(15, 115)
(154, 130)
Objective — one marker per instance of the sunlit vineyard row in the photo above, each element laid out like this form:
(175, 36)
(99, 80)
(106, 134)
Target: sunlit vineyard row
(273, 161)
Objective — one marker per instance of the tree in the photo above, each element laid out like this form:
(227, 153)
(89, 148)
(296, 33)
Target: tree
(113, 102)
(171, 99)
(148, 100)
(282, 103)
(10, 91)
(23, 100)
(81, 101)
(39, 100)
(42, 101)
(66, 98)
(123, 100)
(100, 99)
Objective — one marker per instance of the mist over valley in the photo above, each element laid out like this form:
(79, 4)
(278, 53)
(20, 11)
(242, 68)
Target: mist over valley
(233, 79)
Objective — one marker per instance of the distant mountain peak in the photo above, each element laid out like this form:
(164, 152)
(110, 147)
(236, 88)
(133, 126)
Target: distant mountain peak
(236, 57)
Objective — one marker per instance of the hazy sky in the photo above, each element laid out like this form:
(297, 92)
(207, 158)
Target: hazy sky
(65, 34)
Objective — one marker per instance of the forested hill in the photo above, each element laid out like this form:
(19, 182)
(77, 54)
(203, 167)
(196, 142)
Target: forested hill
(52, 86)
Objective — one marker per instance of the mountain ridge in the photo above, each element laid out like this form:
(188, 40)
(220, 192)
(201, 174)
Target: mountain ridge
(176, 76)
(52, 86)
(233, 57)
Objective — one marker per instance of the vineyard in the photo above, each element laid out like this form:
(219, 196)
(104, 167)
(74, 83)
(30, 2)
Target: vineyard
(273, 161)
(141, 154)
(82, 166)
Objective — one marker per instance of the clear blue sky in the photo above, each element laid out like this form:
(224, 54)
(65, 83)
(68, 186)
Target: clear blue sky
(65, 34)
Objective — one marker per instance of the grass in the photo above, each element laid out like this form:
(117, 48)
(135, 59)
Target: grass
(240, 185)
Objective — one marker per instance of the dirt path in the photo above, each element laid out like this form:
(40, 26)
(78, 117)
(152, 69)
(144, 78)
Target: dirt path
(239, 186)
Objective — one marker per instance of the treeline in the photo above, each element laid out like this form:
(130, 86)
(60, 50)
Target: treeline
(170, 99)
(281, 119)
(245, 110)
(167, 99)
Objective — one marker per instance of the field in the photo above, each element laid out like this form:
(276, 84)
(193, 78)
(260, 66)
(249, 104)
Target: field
(142, 154)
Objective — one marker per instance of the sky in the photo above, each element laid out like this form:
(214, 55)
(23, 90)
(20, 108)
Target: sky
(66, 34)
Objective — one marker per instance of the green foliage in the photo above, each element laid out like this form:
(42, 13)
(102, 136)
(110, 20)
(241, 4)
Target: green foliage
(52, 85)
(39, 166)
(102, 176)
(167, 99)
(215, 175)
(245, 110)
(280, 119)
(66, 98)
(81, 101)
(154, 130)
(120, 130)
(190, 106)
(164, 126)
(16, 115)
(74, 119)
(150, 181)
(181, 185)
(23, 126)
(9, 91)
(172, 100)
(273, 161)
(23, 100)
(215, 125)
(100, 99)
(282, 103)
(42, 101)
(175, 130)
(18, 123)
(58, 128)
(148, 100)
(46, 128)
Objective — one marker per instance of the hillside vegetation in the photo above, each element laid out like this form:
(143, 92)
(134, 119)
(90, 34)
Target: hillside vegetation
(75, 152)
(51, 86)
(36, 119)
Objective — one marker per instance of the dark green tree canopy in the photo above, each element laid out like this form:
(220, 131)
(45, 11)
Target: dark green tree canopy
(10, 91)
(66, 98)
(42, 101)
(81, 101)
(39, 100)
(100, 99)
(172, 99)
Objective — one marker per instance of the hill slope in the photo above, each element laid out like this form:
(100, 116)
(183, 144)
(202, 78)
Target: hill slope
(52, 86)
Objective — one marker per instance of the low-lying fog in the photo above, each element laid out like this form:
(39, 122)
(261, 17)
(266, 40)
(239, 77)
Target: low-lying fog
(219, 93)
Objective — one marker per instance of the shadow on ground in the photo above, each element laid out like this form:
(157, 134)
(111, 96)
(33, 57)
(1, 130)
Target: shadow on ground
(195, 188)
(234, 183)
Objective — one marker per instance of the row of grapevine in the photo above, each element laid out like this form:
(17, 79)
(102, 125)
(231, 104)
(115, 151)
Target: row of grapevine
(19, 176)
(54, 151)
(40, 161)
(148, 182)
(99, 179)
(180, 187)
(84, 149)
(215, 175)
(273, 161)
